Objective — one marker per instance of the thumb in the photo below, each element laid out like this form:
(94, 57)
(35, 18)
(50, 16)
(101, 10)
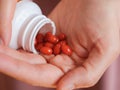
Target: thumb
(6, 14)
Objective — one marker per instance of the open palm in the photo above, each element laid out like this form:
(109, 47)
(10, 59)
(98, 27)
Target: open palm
(93, 34)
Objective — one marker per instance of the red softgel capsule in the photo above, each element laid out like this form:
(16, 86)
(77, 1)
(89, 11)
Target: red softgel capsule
(63, 42)
(47, 35)
(62, 36)
(48, 44)
(46, 50)
(52, 39)
(57, 49)
(39, 46)
(66, 50)
(39, 38)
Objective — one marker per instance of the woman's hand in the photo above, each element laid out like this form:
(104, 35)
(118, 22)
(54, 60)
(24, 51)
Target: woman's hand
(29, 68)
(92, 29)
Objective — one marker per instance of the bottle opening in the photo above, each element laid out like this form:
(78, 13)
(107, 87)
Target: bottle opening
(46, 26)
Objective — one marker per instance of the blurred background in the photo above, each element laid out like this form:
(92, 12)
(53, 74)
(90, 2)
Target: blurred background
(109, 81)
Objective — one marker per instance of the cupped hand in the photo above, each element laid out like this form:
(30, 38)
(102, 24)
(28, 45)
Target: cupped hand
(37, 70)
(92, 30)
(29, 68)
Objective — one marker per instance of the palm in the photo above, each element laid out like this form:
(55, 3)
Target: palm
(91, 32)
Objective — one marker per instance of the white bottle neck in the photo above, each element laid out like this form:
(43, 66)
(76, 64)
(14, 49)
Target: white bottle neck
(28, 32)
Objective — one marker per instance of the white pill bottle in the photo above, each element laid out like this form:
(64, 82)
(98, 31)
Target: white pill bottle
(28, 20)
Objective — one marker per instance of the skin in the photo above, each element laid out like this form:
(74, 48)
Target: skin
(6, 14)
(92, 28)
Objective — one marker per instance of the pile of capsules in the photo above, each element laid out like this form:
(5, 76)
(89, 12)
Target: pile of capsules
(52, 44)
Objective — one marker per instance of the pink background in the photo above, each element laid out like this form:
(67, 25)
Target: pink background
(109, 81)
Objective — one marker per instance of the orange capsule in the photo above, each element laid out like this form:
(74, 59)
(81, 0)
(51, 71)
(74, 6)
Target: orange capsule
(52, 39)
(39, 38)
(62, 36)
(48, 34)
(48, 44)
(66, 50)
(63, 42)
(46, 50)
(38, 46)
(57, 49)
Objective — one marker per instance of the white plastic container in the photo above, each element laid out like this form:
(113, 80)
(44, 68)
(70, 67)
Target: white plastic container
(27, 22)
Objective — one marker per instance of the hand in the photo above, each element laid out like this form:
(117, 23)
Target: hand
(95, 44)
(92, 28)
(21, 65)
(27, 67)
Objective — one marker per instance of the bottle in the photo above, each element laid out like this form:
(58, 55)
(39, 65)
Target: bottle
(28, 20)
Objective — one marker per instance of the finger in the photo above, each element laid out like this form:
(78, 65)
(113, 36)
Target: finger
(27, 57)
(37, 75)
(91, 70)
(48, 57)
(64, 62)
(6, 14)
